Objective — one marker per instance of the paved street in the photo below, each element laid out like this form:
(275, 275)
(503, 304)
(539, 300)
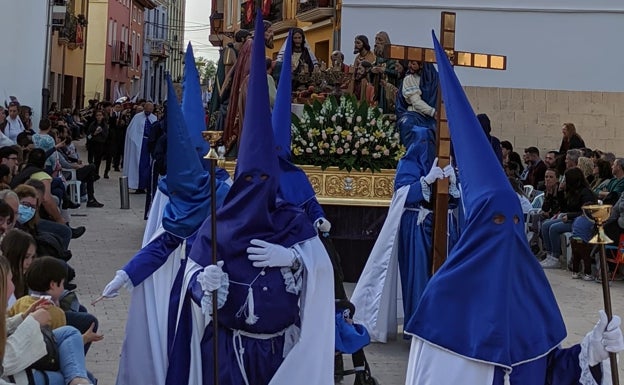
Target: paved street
(113, 235)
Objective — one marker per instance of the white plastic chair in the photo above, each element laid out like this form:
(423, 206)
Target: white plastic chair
(528, 191)
(74, 186)
(537, 203)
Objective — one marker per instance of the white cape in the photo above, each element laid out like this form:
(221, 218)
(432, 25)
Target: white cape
(144, 351)
(312, 357)
(375, 294)
(132, 148)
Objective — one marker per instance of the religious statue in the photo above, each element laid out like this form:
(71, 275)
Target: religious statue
(337, 62)
(362, 49)
(384, 74)
(235, 110)
(303, 60)
(418, 94)
(360, 85)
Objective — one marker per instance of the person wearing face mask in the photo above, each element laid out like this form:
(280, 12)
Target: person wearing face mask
(136, 155)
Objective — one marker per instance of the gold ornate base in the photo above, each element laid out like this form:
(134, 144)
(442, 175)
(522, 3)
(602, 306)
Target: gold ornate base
(340, 187)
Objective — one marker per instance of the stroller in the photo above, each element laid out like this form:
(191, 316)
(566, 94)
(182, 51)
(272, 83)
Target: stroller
(350, 338)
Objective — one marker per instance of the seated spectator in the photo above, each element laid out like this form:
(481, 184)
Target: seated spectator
(43, 140)
(524, 200)
(602, 175)
(577, 194)
(9, 157)
(10, 197)
(587, 166)
(609, 157)
(7, 218)
(508, 153)
(35, 170)
(611, 192)
(550, 205)
(19, 248)
(85, 173)
(21, 340)
(46, 277)
(5, 177)
(512, 170)
(536, 167)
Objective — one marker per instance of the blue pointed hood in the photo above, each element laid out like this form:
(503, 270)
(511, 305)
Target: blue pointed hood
(491, 277)
(251, 208)
(282, 107)
(419, 157)
(188, 184)
(294, 185)
(192, 105)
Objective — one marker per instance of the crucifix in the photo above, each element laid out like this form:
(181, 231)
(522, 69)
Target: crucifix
(443, 146)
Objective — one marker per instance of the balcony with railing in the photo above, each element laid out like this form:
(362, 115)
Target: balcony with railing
(159, 49)
(315, 10)
(272, 10)
(121, 53)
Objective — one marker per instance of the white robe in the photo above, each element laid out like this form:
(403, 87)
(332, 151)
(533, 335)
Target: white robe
(144, 351)
(132, 148)
(312, 357)
(375, 294)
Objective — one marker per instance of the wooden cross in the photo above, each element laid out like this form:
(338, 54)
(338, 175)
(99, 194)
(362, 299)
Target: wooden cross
(457, 58)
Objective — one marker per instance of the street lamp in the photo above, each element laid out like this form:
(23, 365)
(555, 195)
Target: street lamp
(216, 29)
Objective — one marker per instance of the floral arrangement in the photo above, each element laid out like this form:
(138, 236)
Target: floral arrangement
(345, 133)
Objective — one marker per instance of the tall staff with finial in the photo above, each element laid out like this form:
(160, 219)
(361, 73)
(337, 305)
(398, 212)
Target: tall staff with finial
(212, 137)
(599, 214)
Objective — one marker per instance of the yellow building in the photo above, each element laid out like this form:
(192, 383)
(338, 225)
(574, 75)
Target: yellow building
(319, 19)
(67, 57)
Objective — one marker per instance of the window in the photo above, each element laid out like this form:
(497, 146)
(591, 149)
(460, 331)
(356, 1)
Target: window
(115, 30)
(134, 12)
(110, 32)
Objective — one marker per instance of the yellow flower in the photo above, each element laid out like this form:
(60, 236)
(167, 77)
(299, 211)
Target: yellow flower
(297, 151)
(345, 133)
(315, 132)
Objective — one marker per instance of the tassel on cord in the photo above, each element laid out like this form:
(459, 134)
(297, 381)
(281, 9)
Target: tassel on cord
(250, 308)
(506, 379)
(183, 253)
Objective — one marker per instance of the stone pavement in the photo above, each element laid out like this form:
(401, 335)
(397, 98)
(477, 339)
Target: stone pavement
(114, 235)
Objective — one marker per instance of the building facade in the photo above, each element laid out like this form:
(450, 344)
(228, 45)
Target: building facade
(176, 16)
(319, 19)
(115, 48)
(155, 53)
(67, 56)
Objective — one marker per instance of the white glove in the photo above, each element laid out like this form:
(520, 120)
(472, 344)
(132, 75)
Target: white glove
(269, 254)
(449, 172)
(211, 277)
(605, 339)
(112, 289)
(323, 225)
(435, 173)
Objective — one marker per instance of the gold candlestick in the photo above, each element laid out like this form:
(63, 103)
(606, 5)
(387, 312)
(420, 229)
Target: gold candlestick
(212, 137)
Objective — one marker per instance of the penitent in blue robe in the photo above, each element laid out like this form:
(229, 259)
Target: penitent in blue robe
(415, 242)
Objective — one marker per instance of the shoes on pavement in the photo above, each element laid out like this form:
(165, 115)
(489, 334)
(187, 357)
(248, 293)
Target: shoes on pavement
(577, 275)
(587, 277)
(77, 232)
(94, 203)
(68, 204)
(550, 263)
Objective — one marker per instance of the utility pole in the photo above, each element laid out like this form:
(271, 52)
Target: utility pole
(45, 89)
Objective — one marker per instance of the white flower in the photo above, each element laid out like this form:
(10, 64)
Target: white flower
(308, 150)
(358, 119)
(339, 151)
(349, 120)
(321, 152)
(354, 152)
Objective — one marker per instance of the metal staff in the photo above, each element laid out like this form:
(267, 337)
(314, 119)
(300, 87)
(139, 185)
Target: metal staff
(213, 137)
(599, 214)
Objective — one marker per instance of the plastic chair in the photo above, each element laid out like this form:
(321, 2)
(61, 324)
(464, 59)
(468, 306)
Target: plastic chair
(537, 206)
(617, 255)
(74, 186)
(528, 190)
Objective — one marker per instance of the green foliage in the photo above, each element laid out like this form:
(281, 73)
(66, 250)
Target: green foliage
(347, 134)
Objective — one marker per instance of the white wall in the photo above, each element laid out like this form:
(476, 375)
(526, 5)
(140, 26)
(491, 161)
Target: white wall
(551, 44)
(23, 27)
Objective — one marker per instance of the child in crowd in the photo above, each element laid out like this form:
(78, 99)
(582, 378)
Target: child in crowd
(46, 277)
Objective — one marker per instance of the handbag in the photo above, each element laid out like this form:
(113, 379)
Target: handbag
(50, 361)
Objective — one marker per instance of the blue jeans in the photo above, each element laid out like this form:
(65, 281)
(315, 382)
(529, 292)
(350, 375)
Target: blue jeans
(583, 228)
(71, 357)
(551, 235)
